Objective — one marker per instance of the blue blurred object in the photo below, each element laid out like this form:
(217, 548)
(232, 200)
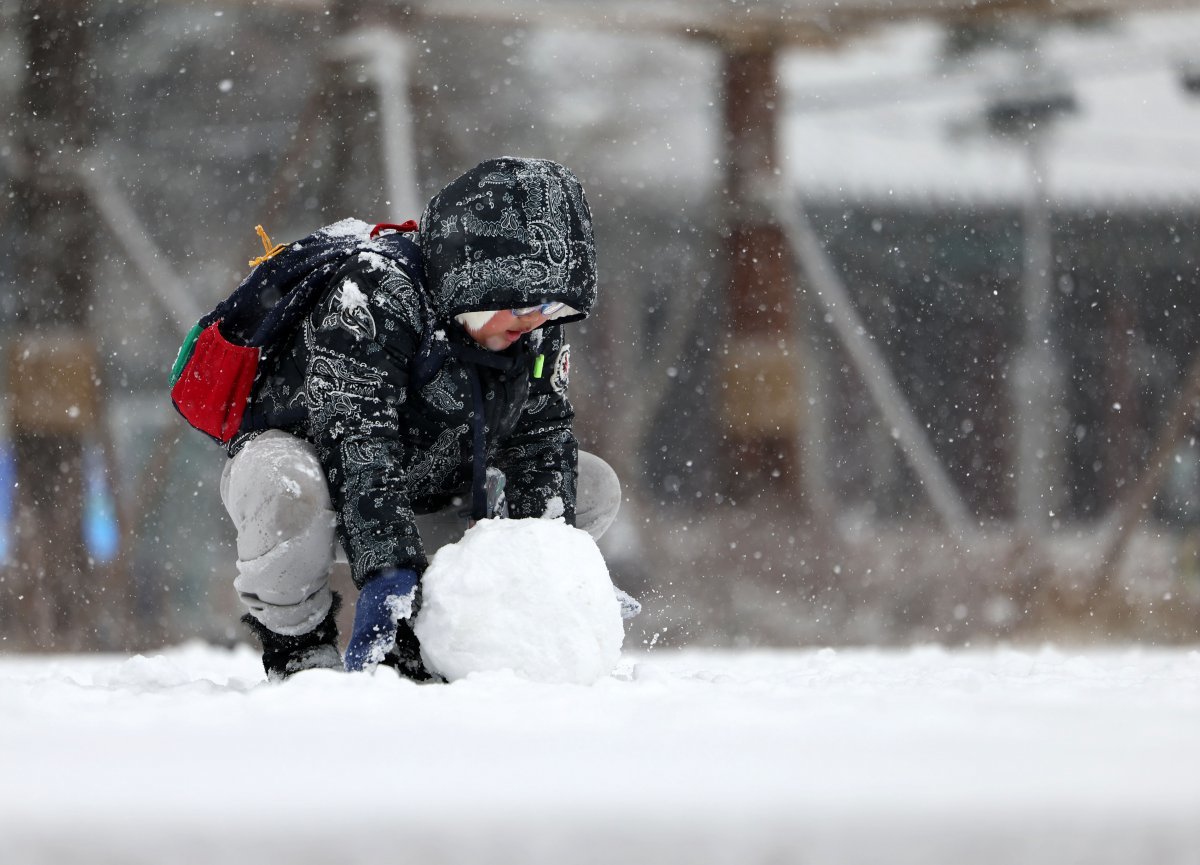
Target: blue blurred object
(100, 531)
(8, 479)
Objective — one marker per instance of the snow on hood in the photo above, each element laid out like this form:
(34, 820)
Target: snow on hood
(510, 232)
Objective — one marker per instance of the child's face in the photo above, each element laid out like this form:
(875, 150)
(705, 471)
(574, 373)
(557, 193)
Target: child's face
(503, 329)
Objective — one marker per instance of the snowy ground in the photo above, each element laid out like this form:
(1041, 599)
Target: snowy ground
(925, 756)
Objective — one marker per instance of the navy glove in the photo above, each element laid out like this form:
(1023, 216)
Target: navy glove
(382, 603)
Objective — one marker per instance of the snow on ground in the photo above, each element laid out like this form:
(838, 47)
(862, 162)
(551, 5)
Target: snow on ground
(924, 756)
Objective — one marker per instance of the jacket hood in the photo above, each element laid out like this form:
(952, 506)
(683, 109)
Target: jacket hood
(507, 234)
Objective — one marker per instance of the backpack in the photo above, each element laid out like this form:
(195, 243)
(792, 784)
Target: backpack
(214, 372)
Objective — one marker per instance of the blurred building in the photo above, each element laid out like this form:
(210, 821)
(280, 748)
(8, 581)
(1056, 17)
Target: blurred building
(925, 208)
(884, 143)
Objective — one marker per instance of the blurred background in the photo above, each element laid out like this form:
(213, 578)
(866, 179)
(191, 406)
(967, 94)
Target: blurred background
(897, 334)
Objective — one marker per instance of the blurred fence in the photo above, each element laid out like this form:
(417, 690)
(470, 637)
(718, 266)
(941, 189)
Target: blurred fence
(869, 370)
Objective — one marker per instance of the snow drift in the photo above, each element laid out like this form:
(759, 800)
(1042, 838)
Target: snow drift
(924, 757)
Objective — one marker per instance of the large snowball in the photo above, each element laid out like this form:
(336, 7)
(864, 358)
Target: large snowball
(532, 596)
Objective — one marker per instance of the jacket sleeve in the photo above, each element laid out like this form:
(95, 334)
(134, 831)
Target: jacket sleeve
(361, 339)
(540, 458)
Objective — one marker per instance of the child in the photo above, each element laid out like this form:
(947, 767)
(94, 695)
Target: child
(355, 452)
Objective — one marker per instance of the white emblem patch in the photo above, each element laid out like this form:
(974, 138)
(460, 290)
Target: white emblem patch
(562, 371)
(351, 312)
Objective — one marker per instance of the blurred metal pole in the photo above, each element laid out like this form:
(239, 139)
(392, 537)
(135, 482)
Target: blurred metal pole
(1024, 112)
(385, 57)
(1037, 384)
(762, 393)
(55, 394)
(128, 230)
(872, 366)
(1127, 513)
(362, 70)
(389, 56)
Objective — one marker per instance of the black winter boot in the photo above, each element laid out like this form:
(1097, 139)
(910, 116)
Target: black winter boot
(284, 656)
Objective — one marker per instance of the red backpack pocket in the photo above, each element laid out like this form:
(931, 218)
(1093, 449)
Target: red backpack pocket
(214, 383)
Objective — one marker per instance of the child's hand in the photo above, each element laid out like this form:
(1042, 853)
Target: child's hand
(383, 602)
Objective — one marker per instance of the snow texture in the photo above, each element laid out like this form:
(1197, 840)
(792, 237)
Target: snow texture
(920, 757)
(348, 228)
(532, 596)
(351, 298)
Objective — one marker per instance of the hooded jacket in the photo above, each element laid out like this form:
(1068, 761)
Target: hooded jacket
(403, 408)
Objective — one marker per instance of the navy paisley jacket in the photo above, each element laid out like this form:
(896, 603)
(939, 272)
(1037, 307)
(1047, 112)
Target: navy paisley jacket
(390, 382)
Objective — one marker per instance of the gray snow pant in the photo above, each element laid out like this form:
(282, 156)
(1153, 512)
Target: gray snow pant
(276, 495)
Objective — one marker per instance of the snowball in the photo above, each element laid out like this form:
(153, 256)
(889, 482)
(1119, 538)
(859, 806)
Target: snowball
(532, 596)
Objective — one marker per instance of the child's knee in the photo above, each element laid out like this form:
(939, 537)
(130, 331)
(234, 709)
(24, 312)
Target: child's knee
(274, 491)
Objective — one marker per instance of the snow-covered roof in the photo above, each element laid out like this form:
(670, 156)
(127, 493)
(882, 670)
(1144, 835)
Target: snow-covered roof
(886, 117)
